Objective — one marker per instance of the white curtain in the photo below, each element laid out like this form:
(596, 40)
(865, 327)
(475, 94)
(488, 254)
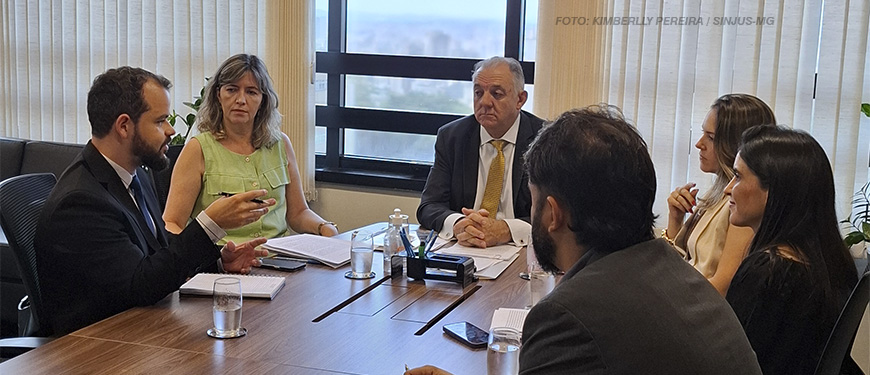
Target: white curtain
(290, 58)
(50, 52)
(665, 77)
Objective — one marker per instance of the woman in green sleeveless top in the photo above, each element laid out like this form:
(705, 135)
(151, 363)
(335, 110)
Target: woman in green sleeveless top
(240, 148)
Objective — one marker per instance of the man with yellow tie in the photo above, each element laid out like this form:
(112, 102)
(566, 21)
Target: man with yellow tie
(477, 191)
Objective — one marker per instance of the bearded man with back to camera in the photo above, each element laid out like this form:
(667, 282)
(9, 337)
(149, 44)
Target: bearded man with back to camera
(628, 304)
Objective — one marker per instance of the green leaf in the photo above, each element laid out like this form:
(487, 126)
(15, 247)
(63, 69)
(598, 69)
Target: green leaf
(865, 108)
(190, 119)
(861, 207)
(853, 238)
(865, 227)
(178, 139)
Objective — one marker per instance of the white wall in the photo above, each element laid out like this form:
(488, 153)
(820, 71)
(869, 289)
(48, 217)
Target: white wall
(354, 206)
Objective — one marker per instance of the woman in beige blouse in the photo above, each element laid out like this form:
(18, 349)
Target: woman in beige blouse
(706, 239)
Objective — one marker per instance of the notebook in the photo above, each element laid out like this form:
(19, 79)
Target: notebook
(256, 286)
(505, 317)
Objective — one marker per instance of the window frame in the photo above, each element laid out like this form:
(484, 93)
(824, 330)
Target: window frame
(335, 166)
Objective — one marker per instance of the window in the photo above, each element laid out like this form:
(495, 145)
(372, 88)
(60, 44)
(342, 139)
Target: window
(391, 72)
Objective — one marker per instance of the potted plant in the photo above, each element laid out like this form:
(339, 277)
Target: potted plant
(177, 142)
(188, 120)
(860, 217)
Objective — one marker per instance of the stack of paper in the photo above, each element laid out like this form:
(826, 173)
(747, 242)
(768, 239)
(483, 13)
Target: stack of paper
(513, 318)
(490, 262)
(252, 285)
(329, 251)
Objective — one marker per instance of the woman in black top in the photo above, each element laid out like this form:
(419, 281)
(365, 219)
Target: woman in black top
(791, 286)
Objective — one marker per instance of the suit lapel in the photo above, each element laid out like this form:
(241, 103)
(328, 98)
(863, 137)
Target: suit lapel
(106, 175)
(470, 162)
(153, 207)
(525, 135)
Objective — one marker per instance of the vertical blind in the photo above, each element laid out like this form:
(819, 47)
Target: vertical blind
(665, 77)
(811, 65)
(50, 52)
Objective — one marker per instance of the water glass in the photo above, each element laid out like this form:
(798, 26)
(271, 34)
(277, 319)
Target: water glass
(361, 254)
(541, 282)
(227, 308)
(503, 352)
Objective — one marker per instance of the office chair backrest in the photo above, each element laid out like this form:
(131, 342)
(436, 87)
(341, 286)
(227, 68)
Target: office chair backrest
(838, 349)
(21, 201)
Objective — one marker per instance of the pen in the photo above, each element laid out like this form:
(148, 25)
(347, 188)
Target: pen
(430, 242)
(255, 200)
(279, 257)
(380, 232)
(409, 252)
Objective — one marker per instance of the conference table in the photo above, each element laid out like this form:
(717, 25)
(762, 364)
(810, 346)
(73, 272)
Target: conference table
(319, 323)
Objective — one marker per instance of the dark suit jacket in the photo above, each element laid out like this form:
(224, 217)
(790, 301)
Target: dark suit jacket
(452, 182)
(641, 310)
(95, 255)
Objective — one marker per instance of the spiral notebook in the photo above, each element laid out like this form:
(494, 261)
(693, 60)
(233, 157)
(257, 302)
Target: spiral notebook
(255, 286)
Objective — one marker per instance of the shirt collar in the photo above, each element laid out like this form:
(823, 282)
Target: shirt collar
(125, 176)
(510, 136)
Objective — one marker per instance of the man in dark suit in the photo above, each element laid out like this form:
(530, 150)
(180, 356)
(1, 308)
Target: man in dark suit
(628, 304)
(477, 191)
(101, 244)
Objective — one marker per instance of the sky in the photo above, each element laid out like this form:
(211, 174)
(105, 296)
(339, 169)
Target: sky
(476, 9)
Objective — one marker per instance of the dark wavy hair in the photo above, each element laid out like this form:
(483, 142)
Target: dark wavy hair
(596, 163)
(799, 213)
(116, 92)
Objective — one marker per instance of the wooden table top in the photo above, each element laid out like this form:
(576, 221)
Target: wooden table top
(309, 328)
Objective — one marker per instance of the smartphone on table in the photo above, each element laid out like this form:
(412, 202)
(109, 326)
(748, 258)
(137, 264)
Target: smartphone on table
(468, 334)
(281, 264)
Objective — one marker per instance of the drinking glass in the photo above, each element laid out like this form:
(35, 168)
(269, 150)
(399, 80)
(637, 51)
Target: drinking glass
(413, 238)
(361, 254)
(227, 309)
(503, 351)
(541, 282)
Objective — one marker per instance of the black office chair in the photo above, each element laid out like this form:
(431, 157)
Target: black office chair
(837, 358)
(21, 201)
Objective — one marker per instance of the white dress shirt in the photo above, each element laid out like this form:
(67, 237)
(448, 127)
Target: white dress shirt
(520, 230)
(215, 233)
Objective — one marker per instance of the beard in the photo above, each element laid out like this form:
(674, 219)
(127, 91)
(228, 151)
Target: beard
(545, 247)
(154, 159)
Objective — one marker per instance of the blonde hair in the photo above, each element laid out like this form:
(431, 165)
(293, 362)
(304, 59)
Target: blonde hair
(267, 121)
(734, 114)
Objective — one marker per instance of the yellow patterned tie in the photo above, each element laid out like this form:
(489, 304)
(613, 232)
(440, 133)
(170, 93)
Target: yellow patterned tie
(494, 181)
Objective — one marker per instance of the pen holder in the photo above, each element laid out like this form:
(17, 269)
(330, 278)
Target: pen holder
(442, 267)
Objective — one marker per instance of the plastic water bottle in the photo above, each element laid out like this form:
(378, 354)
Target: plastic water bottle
(393, 243)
